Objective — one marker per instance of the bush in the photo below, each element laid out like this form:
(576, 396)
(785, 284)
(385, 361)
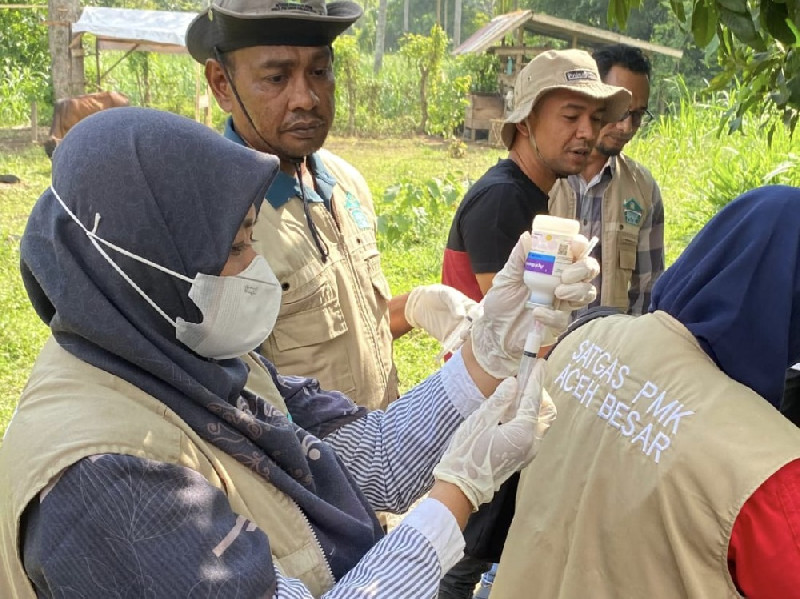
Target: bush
(411, 212)
(24, 65)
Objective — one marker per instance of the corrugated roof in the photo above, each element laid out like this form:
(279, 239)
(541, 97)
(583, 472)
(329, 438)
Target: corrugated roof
(493, 32)
(575, 33)
(123, 28)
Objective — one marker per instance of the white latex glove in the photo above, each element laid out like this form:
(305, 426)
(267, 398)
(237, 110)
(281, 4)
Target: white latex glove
(483, 454)
(498, 336)
(438, 309)
(575, 291)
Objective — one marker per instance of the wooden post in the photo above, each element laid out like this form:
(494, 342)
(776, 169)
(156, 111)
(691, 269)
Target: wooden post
(34, 122)
(207, 116)
(77, 73)
(97, 60)
(61, 15)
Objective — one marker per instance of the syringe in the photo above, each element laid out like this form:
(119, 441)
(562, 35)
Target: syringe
(592, 243)
(456, 338)
(532, 344)
(533, 341)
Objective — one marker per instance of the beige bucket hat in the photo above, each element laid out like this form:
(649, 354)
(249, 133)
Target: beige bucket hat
(574, 70)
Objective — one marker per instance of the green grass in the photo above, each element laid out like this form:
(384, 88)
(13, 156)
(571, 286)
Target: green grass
(697, 172)
(21, 332)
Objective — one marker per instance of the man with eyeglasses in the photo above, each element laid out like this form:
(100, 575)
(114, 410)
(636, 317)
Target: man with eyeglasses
(615, 198)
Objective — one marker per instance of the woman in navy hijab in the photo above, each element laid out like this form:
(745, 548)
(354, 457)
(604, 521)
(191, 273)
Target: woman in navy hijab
(154, 455)
(736, 287)
(670, 471)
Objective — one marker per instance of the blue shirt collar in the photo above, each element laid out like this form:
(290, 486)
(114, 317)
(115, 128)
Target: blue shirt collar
(286, 187)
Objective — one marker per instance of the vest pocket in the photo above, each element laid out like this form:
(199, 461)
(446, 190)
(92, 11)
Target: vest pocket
(313, 318)
(626, 244)
(379, 282)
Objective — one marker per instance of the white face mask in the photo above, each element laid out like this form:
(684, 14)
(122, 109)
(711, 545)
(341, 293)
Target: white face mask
(238, 311)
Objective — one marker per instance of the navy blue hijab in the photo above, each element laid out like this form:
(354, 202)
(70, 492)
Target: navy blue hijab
(736, 287)
(174, 192)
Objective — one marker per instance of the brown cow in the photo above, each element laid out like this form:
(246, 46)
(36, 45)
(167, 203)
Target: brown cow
(67, 113)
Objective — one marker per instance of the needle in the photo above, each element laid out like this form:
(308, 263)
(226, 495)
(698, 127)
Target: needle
(592, 244)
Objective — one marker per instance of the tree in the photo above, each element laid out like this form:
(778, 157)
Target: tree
(651, 21)
(422, 16)
(758, 47)
(425, 53)
(347, 74)
(380, 35)
(24, 63)
(457, 23)
(61, 13)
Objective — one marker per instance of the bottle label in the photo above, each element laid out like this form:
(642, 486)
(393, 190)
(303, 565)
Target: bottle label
(549, 253)
(541, 263)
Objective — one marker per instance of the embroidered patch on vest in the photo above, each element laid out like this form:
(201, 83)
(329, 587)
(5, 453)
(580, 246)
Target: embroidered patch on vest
(633, 211)
(356, 213)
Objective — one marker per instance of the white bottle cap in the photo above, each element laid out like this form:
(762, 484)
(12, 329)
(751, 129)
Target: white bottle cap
(556, 224)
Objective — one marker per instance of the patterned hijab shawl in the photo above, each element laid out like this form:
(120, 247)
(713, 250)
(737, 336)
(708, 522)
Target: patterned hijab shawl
(736, 287)
(174, 192)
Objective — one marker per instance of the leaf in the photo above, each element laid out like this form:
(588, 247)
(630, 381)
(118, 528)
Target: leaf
(611, 13)
(742, 27)
(783, 167)
(793, 85)
(739, 6)
(703, 26)
(775, 19)
(677, 8)
(618, 11)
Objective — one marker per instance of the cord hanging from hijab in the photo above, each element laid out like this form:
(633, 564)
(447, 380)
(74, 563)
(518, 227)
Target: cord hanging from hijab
(297, 162)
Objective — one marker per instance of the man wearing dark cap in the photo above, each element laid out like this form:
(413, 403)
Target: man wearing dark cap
(270, 65)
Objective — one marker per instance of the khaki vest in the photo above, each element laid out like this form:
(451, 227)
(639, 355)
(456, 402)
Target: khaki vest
(70, 410)
(620, 226)
(638, 483)
(334, 318)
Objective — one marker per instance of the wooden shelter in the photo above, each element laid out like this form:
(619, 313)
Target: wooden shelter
(132, 30)
(487, 110)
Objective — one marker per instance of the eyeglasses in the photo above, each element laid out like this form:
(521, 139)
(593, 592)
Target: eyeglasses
(638, 116)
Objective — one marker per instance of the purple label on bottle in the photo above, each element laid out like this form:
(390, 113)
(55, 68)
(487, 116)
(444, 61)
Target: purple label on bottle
(541, 263)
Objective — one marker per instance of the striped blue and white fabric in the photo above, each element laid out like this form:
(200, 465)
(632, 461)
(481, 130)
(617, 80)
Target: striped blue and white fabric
(177, 536)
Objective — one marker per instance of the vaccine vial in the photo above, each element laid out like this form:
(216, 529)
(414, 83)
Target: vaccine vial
(548, 256)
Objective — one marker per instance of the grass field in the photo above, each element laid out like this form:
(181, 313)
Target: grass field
(697, 172)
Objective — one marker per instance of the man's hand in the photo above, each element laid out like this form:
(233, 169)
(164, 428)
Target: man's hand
(437, 309)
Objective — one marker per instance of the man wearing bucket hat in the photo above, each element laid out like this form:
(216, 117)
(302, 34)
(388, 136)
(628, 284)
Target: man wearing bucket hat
(270, 65)
(560, 105)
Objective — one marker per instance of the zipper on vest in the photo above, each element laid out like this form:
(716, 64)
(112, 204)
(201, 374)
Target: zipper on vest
(315, 539)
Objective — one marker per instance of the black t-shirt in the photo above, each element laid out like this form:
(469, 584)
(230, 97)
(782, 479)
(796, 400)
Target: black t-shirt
(491, 217)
